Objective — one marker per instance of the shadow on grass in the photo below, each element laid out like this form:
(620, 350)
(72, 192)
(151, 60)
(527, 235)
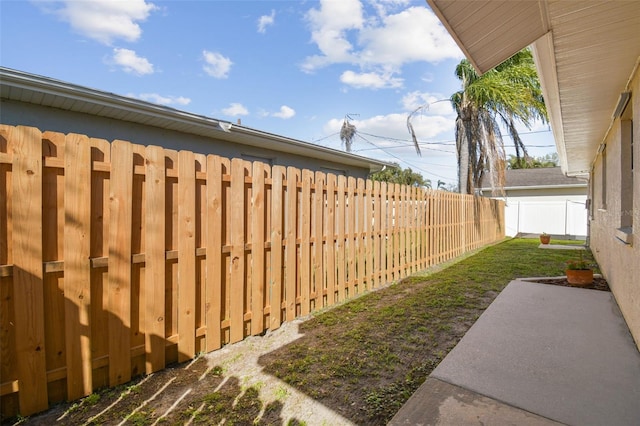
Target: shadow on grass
(193, 393)
(365, 358)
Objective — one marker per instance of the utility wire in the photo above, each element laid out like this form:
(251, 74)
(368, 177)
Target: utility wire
(400, 159)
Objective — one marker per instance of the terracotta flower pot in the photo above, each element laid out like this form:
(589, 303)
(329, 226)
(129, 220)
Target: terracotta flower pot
(544, 239)
(579, 277)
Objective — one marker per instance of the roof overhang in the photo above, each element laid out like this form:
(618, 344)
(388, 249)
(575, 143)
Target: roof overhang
(586, 53)
(29, 88)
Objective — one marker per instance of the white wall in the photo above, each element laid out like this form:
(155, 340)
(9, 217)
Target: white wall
(556, 215)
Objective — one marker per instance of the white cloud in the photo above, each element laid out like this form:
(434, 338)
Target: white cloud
(130, 62)
(437, 104)
(284, 113)
(415, 34)
(235, 109)
(104, 20)
(216, 65)
(370, 80)
(266, 20)
(382, 41)
(162, 100)
(329, 25)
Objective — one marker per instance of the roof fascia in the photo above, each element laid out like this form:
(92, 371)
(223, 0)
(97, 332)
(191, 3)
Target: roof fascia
(434, 7)
(228, 131)
(545, 60)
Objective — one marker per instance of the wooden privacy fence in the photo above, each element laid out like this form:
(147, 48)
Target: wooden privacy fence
(117, 259)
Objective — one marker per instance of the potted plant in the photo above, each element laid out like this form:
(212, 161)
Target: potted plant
(545, 238)
(579, 272)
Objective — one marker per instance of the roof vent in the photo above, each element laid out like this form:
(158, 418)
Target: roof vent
(622, 104)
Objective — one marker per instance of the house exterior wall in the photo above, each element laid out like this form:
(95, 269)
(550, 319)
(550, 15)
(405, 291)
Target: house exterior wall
(53, 119)
(619, 261)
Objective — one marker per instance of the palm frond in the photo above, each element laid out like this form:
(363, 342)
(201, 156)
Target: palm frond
(347, 133)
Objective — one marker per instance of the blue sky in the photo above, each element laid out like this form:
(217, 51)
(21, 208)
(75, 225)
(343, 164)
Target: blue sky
(293, 68)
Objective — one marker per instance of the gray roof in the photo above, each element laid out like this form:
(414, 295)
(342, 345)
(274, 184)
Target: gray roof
(538, 178)
(29, 88)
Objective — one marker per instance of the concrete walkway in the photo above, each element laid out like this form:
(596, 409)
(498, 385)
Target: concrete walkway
(539, 355)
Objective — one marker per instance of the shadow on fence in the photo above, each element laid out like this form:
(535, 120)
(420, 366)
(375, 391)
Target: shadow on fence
(118, 259)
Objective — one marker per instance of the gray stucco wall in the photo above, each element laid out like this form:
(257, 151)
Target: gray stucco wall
(58, 120)
(618, 260)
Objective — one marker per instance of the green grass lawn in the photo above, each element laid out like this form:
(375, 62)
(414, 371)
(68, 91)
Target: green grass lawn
(366, 357)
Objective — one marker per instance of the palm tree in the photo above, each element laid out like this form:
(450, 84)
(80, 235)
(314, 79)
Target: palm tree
(508, 93)
(347, 133)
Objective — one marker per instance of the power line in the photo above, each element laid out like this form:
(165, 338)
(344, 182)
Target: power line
(400, 159)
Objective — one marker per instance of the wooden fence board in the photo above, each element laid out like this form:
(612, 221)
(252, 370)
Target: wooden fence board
(155, 266)
(53, 241)
(77, 273)
(360, 276)
(214, 262)
(186, 256)
(277, 218)
(305, 241)
(291, 253)
(100, 214)
(369, 235)
(330, 237)
(8, 368)
(119, 286)
(258, 250)
(238, 289)
(377, 218)
(341, 238)
(26, 147)
(318, 281)
(351, 252)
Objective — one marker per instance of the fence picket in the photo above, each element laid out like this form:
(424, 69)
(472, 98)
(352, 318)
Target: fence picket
(237, 233)
(257, 251)
(26, 147)
(213, 243)
(305, 241)
(330, 237)
(119, 285)
(318, 281)
(291, 252)
(377, 218)
(77, 272)
(186, 256)
(341, 238)
(277, 217)
(154, 286)
(350, 246)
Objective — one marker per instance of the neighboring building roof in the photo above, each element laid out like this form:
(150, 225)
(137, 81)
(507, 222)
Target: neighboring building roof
(549, 177)
(585, 53)
(29, 88)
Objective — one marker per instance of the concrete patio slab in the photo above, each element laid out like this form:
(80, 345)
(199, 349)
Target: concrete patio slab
(440, 403)
(562, 353)
(561, 247)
